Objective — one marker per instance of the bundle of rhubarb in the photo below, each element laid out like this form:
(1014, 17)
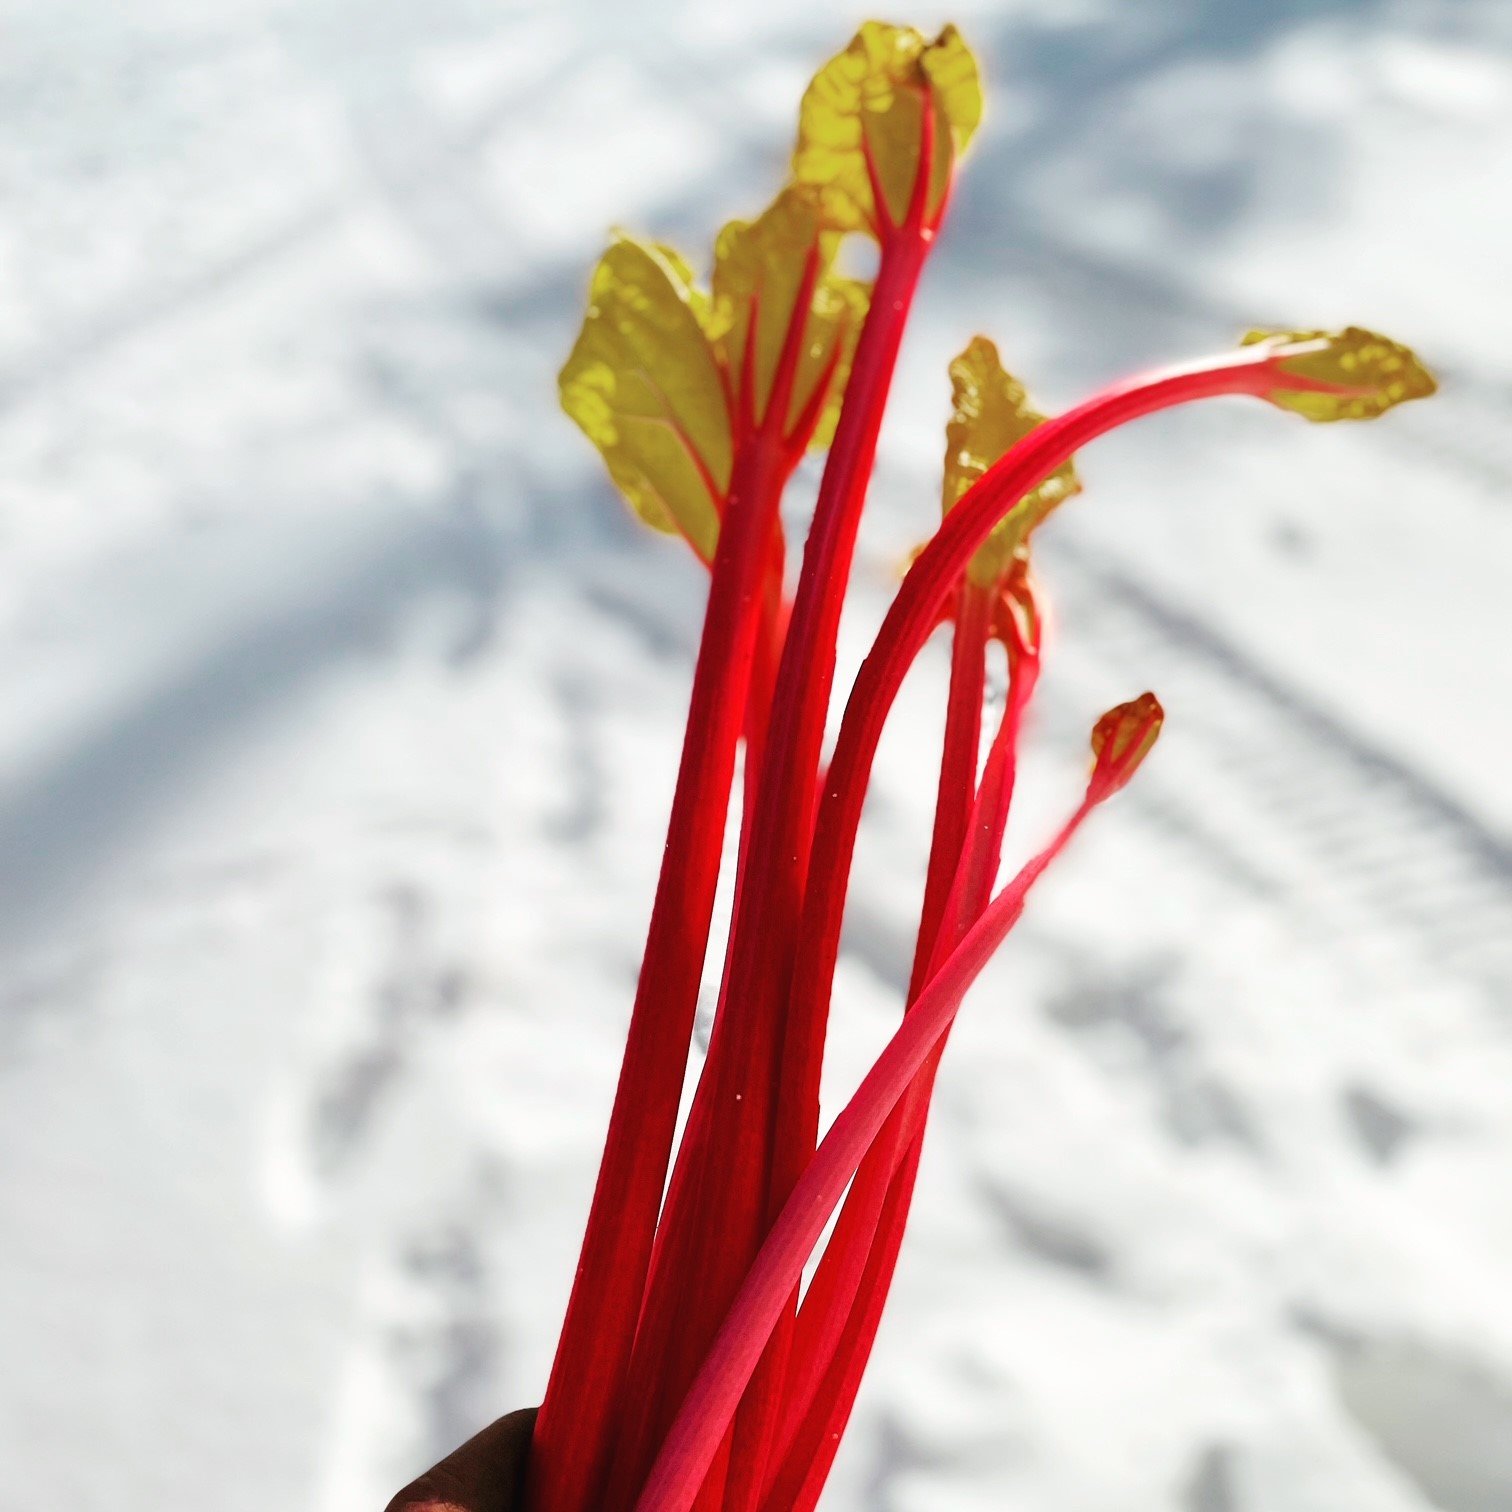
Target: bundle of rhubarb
(695, 1369)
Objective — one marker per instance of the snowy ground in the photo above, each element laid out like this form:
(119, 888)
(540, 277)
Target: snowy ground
(342, 701)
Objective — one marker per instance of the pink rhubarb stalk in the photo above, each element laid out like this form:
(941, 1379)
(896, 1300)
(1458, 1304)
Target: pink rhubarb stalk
(675, 1478)
(843, 1304)
(583, 1405)
(705, 1415)
(728, 1211)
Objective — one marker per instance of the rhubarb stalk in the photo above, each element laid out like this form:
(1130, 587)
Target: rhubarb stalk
(742, 1156)
(771, 419)
(1322, 376)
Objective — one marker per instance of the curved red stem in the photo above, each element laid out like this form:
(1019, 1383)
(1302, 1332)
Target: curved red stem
(747, 1327)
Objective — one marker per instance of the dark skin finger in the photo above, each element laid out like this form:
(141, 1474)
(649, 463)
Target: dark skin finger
(487, 1474)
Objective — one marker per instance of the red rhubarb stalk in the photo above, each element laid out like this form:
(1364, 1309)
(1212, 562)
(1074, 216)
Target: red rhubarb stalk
(572, 1433)
(727, 1214)
(781, 1123)
(1120, 741)
(843, 1305)
(842, 1274)
(695, 1437)
(914, 613)
(982, 856)
(837, 1319)
(1252, 370)
(791, 1359)
(824, 1308)
(958, 766)
(583, 1406)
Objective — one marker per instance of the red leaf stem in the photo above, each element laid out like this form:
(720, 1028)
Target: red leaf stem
(582, 1408)
(700, 1426)
(827, 1302)
(843, 1306)
(725, 1216)
(958, 766)
(786, 1072)
(741, 1340)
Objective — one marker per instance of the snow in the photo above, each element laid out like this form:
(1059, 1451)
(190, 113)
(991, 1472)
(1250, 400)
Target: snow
(343, 703)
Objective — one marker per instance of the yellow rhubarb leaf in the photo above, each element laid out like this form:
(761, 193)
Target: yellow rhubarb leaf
(699, 300)
(644, 384)
(990, 412)
(862, 119)
(761, 271)
(1351, 374)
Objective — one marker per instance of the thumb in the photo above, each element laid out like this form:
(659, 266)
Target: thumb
(487, 1474)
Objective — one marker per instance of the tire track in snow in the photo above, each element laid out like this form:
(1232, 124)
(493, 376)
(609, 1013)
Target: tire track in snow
(1408, 855)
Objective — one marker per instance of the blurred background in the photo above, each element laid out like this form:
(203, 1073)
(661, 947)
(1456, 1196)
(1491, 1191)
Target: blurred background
(342, 701)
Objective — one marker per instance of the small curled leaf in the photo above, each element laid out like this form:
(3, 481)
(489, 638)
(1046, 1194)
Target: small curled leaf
(990, 412)
(1351, 374)
(862, 124)
(761, 269)
(1121, 740)
(644, 384)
